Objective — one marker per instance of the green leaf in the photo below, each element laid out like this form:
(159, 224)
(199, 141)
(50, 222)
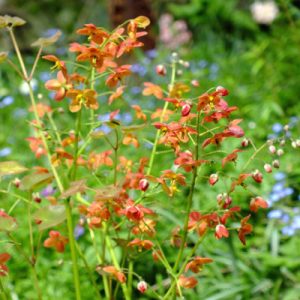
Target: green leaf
(33, 181)
(11, 167)
(50, 216)
(132, 128)
(8, 224)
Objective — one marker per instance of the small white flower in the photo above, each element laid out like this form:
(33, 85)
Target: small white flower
(264, 12)
(24, 89)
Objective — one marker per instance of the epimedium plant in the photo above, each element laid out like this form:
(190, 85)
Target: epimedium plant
(112, 191)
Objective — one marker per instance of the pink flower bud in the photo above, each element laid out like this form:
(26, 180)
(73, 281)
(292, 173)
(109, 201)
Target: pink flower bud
(272, 149)
(142, 286)
(276, 163)
(195, 83)
(257, 176)
(268, 168)
(213, 178)
(144, 184)
(245, 142)
(186, 109)
(224, 92)
(36, 198)
(161, 70)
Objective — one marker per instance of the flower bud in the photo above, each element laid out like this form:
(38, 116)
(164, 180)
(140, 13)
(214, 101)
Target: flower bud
(142, 286)
(195, 83)
(144, 184)
(294, 144)
(36, 197)
(286, 127)
(245, 142)
(280, 152)
(16, 182)
(298, 143)
(257, 176)
(224, 92)
(276, 163)
(282, 143)
(268, 168)
(161, 70)
(213, 178)
(272, 149)
(185, 110)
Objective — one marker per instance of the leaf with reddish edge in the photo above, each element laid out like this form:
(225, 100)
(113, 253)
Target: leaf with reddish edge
(11, 168)
(230, 157)
(7, 223)
(78, 186)
(50, 216)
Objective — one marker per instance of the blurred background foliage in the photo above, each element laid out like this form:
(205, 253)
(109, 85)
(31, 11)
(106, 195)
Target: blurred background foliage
(226, 43)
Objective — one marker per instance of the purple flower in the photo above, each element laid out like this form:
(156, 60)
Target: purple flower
(288, 230)
(48, 191)
(5, 152)
(78, 231)
(6, 101)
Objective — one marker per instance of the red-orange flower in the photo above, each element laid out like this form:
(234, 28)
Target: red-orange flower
(56, 240)
(245, 229)
(86, 97)
(152, 89)
(187, 282)
(146, 244)
(119, 276)
(197, 263)
(4, 257)
(221, 231)
(258, 202)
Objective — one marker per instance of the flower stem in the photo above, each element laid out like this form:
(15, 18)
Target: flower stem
(153, 153)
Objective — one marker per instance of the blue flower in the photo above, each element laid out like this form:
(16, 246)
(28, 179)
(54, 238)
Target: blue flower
(127, 118)
(103, 118)
(151, 53)
(277, 128)
(275, 214)
(278, 187)
(202, 63)
(136, 90)
(296, 222)
(279, 176)
(288, 230)
(138, 69)
(6, 101)
(45, 76)
(5, 152)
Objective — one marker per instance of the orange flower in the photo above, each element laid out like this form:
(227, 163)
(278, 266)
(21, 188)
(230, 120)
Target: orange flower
(94, 55)
(120, 72)
(96, 160)
(146, 244)
(187, 282)
(152, 89)
(60, 85)
(139, 112)
(42, 109)
(119, 276)
(86, 97)
(56, 240)
(95, 34)
(221, 231)
(117, 94)
(130, 138)
(58, 64)
(197, 263)
(36, 146)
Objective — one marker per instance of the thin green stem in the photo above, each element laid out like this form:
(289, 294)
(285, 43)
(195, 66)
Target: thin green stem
(2, 291)
(73, 249)
(35, 63)
(254, 155)
(117, 265)
(49, 115)
(153, 153)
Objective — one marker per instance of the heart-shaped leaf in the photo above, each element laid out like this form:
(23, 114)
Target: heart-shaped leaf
(50, 216)
(11, 167)
(35, 180)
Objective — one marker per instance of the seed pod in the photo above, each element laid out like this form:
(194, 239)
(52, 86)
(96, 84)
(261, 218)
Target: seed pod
(245, 142)
(280, 152)
(257, 176)
(276, 163)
